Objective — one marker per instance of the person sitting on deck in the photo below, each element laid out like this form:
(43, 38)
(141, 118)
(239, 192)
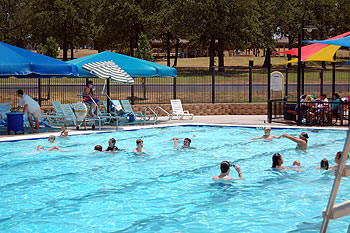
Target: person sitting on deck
(225, 172)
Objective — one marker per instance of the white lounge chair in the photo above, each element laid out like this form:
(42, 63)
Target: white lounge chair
(69, 117)
(4, 108)
(56, 117)
(177, 110)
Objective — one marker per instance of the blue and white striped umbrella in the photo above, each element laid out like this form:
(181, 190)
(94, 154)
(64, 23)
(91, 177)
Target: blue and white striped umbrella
(108, 69)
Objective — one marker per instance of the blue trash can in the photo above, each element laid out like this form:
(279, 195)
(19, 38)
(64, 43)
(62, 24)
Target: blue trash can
(15, 121)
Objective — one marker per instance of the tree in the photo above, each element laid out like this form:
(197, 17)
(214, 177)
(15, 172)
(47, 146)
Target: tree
(144, 51)
(50, 48)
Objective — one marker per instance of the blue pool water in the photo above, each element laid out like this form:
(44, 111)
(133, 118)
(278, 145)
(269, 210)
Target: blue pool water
(168, 190)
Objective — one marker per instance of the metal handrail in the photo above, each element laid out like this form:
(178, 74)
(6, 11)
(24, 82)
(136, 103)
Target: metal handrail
(159, 107)
(155, 116)
(336, 184)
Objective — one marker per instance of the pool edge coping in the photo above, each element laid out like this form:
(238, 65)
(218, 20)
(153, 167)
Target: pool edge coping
(13, 138)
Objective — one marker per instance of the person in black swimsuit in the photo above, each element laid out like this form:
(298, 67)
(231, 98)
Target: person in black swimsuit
(111, 145)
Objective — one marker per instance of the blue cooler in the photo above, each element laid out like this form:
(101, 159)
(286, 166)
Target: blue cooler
(15, 121)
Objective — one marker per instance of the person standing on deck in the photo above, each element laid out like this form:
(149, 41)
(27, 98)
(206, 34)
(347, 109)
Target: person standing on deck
(31, 107)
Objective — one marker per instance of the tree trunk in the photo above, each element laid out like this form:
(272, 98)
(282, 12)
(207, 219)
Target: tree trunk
(131, 47)
(221, 55)
(144, 88)
(176, 51)
(212, 52)
(168, 49)
(71, 52)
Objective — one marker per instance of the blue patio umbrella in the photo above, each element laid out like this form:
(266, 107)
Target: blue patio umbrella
(133, 66)
(22, 63)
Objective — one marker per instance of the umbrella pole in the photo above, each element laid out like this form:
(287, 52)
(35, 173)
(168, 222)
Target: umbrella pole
(108, 94)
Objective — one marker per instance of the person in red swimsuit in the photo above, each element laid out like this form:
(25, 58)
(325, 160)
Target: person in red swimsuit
(89, 97)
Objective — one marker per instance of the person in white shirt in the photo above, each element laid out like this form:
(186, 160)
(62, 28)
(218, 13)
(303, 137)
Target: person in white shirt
(31, 107)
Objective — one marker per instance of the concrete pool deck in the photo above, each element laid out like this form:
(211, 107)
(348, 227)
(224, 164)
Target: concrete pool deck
(225, 120)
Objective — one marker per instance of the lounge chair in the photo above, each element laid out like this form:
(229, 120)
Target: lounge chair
(69, 117)
(128, 110)
(56, 117)
(4, 108)
(178, 111)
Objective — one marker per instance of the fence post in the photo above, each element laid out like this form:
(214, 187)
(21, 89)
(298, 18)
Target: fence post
(286, 85)
(132, 94)
(302, 78)
(39, 91)
(321, 82)
(213, 84)
(174, 88)
(333, 78)
(251, 64)
(269, 111)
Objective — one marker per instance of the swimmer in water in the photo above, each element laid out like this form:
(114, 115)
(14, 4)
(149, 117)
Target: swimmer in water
(337, 160)
(296, 163)
(267, 135)
(277, 161)
(50, 149)
(225, 172)
(98, 148)
(323, 165)
(51, 139)
(186, 145)
(111, 145)
(139, 146)
(301, 140)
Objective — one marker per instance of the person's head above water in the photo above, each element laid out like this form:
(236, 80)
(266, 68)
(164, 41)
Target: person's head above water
(225, 166)
(51, 138)
(296, 163)
(98, 148)
(277, 160)
(304, 136)
(187, 142)
(139, 142)
(324, 164)
(338, 156)
(267, 130)
(111, 141)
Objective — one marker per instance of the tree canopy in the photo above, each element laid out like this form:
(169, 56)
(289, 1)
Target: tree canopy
(118, 24)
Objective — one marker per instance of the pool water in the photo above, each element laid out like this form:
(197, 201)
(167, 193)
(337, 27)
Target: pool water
(167, 189)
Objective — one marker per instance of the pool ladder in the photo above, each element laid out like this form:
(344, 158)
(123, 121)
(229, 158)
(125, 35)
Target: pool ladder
(342, 209)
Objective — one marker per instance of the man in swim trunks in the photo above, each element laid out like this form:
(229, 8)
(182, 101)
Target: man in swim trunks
(225, 171)
(267, 135)
(88, 94)
(139, 146)
(301, 140)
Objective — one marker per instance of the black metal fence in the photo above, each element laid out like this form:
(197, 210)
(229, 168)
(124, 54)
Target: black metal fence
(192, 85)
(311, 113)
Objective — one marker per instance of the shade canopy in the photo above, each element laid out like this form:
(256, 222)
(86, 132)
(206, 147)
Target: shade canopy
(22, 63)
(316, 52)
(345, 42)
(133, 66)
(110, 70)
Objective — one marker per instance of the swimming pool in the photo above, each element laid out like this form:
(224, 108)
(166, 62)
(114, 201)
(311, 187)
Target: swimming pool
(168, 190)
